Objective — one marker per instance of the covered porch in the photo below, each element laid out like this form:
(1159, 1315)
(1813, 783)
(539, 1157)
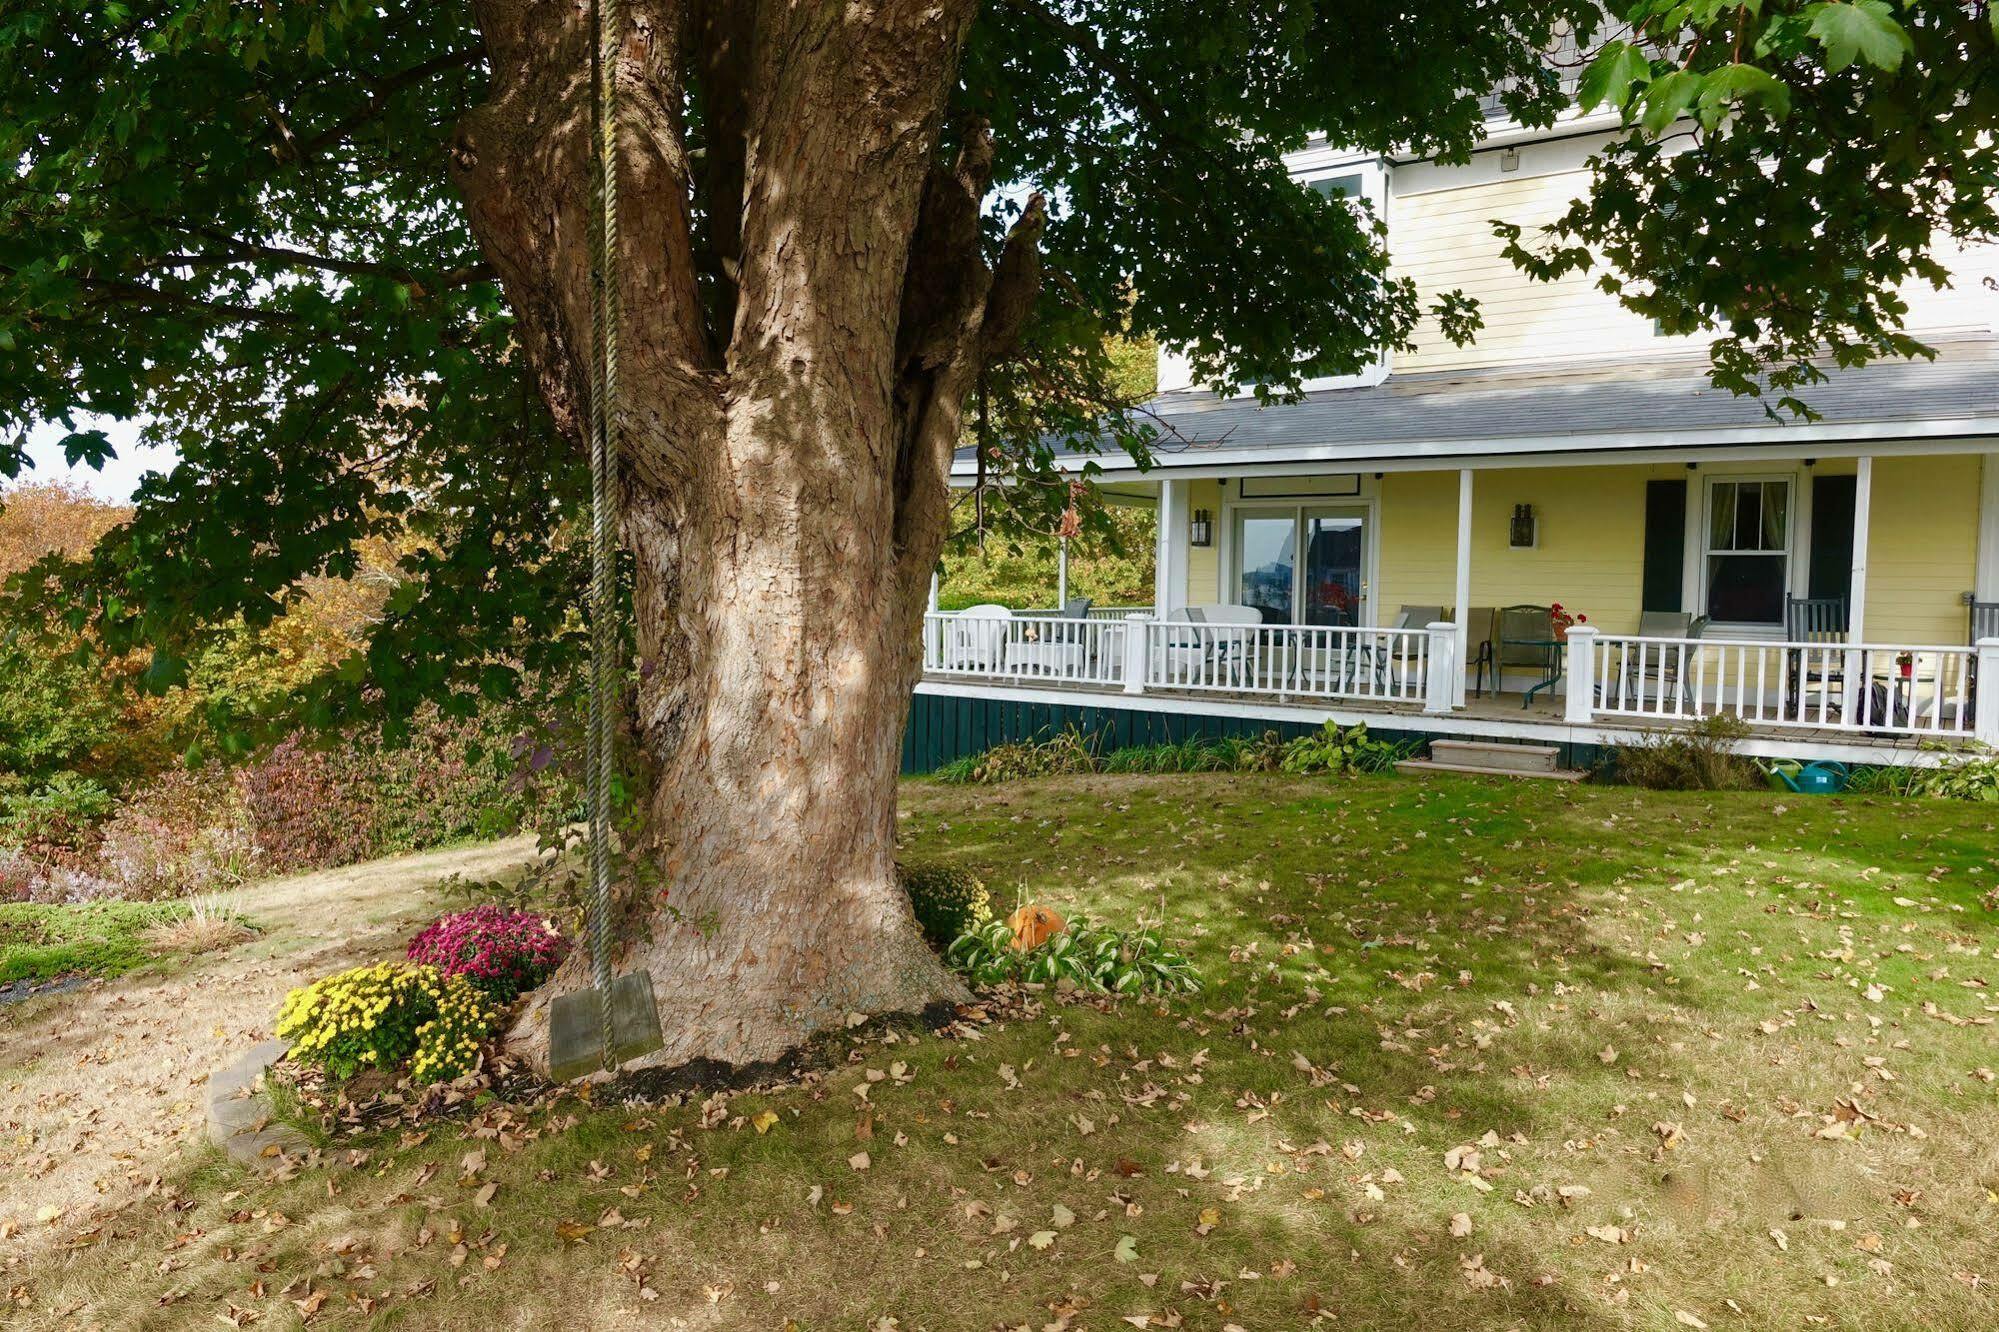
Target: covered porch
(1842, 602)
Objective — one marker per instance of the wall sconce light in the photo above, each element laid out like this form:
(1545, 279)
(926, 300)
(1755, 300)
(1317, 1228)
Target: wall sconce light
(1201, 529)
(1521, 533)
(1510, 160)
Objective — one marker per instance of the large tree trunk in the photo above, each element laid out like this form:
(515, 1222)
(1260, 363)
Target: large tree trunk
(786, 429)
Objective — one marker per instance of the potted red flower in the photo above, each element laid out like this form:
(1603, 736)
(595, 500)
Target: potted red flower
(1563, 619)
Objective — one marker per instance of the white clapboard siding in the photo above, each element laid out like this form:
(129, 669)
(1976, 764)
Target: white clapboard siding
(1443, 239)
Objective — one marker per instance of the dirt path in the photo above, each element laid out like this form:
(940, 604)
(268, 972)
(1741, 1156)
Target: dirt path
(100, 1089)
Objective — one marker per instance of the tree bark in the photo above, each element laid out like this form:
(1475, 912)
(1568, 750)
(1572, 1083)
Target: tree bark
(783, 477)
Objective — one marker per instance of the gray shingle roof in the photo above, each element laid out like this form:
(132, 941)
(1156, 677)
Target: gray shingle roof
(1625, 404)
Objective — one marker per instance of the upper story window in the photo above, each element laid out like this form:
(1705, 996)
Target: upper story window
(1343, 177)
(1748, 553)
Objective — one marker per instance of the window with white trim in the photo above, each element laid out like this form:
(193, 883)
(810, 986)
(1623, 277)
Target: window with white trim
(1747, 551)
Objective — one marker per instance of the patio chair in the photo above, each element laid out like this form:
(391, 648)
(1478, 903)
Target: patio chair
(1816, 621)
(1076, 608)
(1480, 623)
(1418, 617)
(1383, 655)
(1525, 637)
(1183, 646)
(1656, 670)
(1228, 643)
(975, 638)
(1984, 620)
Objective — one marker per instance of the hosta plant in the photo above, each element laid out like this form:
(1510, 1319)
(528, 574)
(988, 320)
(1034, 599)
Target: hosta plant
(376, 1017)
(505, 953)
(1091, 956)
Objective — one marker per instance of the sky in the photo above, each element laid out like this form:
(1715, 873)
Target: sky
(121, 474)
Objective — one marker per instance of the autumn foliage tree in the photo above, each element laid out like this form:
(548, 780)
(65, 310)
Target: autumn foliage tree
(339, 256)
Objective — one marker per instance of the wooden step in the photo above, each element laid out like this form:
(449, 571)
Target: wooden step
(1418, 766)
(1496, 754)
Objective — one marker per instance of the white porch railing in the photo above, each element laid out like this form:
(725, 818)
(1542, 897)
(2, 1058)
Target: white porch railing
(1870, 689)
(1137, 653)
(1288, 660)
(1027, 648)
(1095, 612)
(1864, 688)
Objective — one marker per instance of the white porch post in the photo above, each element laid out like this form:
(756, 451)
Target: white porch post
(1856, 594)
(1985, 717)
(1440, 684)
(932, 607)
(1985, 582)
(1170, 557)
(1462, 597)
(1137, 650)
(1062, 574)
(1580, 700)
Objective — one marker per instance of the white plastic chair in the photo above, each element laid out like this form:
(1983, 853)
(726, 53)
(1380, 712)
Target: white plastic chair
(975, 638)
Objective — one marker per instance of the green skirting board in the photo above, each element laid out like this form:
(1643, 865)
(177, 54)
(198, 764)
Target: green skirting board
(943, 727)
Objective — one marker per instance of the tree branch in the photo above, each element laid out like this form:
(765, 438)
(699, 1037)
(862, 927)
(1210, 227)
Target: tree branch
(1016, 285)
(385, 90)
(121, 289)
(241, 251)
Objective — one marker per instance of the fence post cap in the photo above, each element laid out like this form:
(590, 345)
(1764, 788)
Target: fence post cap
(1575, 629)
(1136, 615)
(1441, 627)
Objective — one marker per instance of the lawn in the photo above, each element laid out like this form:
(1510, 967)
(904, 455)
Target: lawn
(1470, 1055)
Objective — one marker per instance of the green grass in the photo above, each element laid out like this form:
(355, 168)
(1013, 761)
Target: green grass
(41, 942)
(1665, 1000)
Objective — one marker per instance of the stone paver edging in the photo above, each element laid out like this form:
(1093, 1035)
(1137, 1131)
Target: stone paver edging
(239, 1114)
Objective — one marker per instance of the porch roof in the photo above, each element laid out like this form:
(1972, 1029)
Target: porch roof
(1620, 405)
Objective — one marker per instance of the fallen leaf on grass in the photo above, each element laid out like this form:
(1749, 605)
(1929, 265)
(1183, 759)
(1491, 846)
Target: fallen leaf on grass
(1685, 1319)
(1460, 1225)
(1126, 1250)
(763, 1121)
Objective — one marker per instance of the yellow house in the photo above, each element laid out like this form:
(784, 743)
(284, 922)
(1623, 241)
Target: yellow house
(1667, 550)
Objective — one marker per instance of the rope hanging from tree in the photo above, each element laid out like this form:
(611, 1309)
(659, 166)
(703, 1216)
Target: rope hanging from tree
(599, 750)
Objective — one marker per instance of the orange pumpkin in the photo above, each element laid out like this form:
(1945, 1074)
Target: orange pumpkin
(1033, 926)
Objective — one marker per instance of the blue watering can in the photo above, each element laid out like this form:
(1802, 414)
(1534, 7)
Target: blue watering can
(1824, 777)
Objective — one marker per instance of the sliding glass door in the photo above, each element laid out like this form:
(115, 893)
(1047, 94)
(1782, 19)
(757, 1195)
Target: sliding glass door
(1267, 556)
(1326, 585)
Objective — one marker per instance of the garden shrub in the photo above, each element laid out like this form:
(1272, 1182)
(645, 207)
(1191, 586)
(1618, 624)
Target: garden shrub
(505, 953)
(185, 832)
(1066, 752)
(305, 811)
(1329, 750)
(1091, 956)
(381, 1015)
(314, 806)
(55, 709)
(1701, 757)
(60, 811)
(948, 901)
